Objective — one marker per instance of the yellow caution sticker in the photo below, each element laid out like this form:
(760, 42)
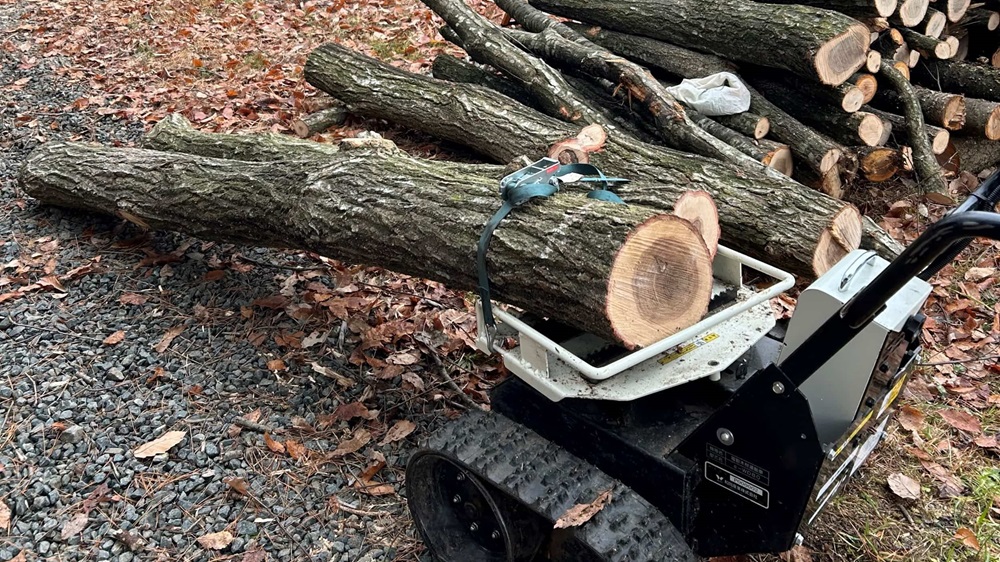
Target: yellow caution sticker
(688, 347)
(893, 394)
(864, 422)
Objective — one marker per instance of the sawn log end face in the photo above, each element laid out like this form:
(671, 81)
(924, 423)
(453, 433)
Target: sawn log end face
(660, 282)
(843, 55)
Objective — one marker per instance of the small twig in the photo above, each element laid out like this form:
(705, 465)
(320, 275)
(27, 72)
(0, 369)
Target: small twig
(906, 513)
(281, 266)
(253, 426)
(466, 399)
(958, 361)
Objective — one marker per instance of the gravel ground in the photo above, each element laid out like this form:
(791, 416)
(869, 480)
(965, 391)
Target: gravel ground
(74, 408)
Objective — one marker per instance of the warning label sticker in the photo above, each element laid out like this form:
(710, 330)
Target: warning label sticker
(737, 485)
(740, 466)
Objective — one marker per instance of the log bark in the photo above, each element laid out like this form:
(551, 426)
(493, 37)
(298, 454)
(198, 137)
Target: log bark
(959, 77)
(977, 154)
(856, 8)
(816, 43)
(772, 155)
(878, 240)
(938, 108)
(930, 179)
(928, 46)
(313, 123)
(936, 136)
(982, 117)
(765, 215)
(817, 151)
(604, 272)
(748, 123)
(174, 133)
(849, 128)
(447, 67)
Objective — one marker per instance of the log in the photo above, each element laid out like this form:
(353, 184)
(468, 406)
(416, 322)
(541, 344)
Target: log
(174, 133)
(959, 77)
(867, 83)
(772, 155)
(848, 128)
(928, 46)
(932, 25)
(879, 163)
(879, 241)
(819, 44)
(748, 123)
(977, 153)
(912, 12)
(903, 69)
(930, 179)
(938, 108)
(982, 117)
(620, 271)
(447, 67)
(955, 9)
(319, 121)
(873, 61)
(698, 208)
(856, 8)
(937, 137)
(763, 214)
(817, 151)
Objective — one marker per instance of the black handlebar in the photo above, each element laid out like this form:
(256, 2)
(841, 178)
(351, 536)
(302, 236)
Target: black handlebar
(935, 248)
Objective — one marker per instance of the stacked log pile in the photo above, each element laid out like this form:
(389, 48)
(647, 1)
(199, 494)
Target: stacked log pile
(839, 91)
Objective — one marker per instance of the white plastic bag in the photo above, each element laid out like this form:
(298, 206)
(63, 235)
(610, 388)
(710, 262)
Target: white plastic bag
(717, 94)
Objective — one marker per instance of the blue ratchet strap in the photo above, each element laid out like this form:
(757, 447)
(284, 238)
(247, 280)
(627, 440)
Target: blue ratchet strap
(515, 195)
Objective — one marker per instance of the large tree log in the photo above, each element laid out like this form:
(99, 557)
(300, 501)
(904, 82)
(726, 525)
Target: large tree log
(620, 271)
(763, 214)
(982, 118)
(820, 44)
(977, 153)
(959, 77)
(938, 108)
(817, 151)
(857, 8)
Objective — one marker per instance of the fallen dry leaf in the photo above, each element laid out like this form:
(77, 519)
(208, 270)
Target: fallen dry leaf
(968, 538)
(214, 275)
(275, 446)
(950, 486)
(910, 418)
(238, 485)
(399, 430)
(904, 487)
(351, 410)
(407, 358)
(340, 379)
(987, 442)
(962, 420)
(276, 365)
(255, 555)
(74, 526)
(19, 558)
(796, 554)
(115, 338)
(977, 274)
(159, 445)
(296, 450)
(583, 512)
(414, 380)
(234, 430)
(133, 298)
(361, 438)
(216, 541)
(374, 488)
(274, 301)
(168, 338)
(4, 516)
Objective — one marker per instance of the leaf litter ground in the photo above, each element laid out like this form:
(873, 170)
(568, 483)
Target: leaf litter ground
(368, 334)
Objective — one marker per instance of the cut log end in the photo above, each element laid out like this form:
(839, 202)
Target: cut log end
(660, 282)
(956, 9)
(868, 85)
(992, 129)
(939, 141)
(912, 12)
(780, 158)
(903, 69)
(945, 49)
(698, 208)
(830, 160)
(954, 113)
(842, 237)
(936, 22)
(993, 22)
(762, 129)
(913, 58)
(842, 56)
(874, 61)
(853, 100)
(871, 129)
(880, 164)
(885, 8)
